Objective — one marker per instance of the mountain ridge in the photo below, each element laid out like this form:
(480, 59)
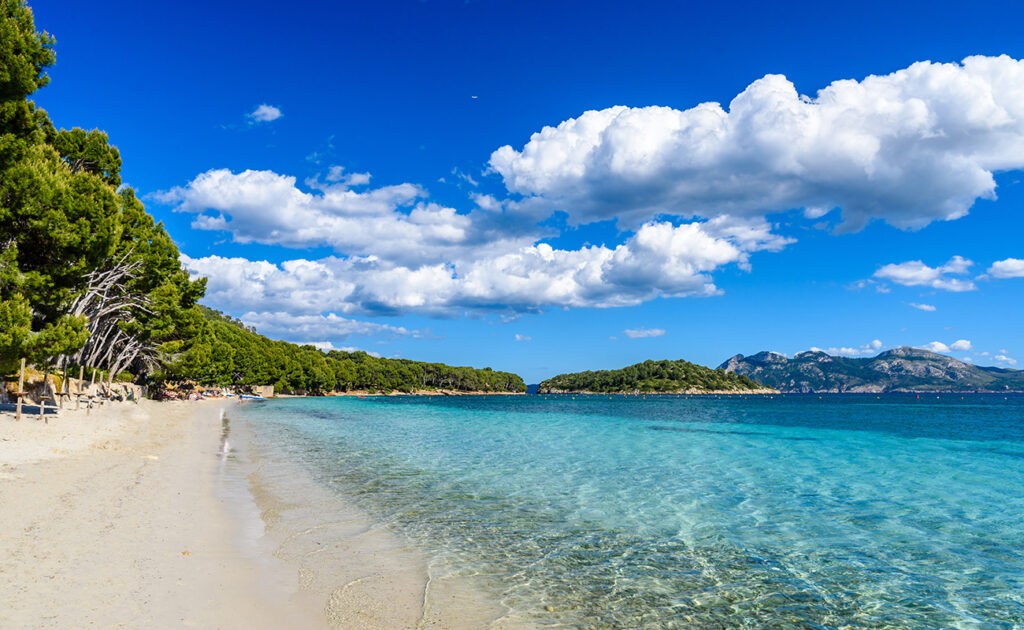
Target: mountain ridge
(902, 369)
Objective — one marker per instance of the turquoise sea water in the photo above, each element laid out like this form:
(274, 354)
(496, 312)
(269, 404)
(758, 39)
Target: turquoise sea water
(848, 511)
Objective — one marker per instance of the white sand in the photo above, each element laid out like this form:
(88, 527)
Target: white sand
(112, 520)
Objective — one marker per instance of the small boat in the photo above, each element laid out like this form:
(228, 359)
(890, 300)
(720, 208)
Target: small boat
(250, 397)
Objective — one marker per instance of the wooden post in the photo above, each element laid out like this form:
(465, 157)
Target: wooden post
(78, 392)
(21, 394)
(91, 385)
(64, 386)
(42, 392)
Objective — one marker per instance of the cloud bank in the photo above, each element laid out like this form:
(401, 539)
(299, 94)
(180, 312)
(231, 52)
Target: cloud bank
(911, 147)
(660, 260)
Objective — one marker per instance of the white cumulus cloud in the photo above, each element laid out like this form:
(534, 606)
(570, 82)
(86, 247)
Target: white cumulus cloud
(961, 345)
(936, 346)
(523, 337)
(915, 273)
(918, 145)
(1003, 358)
(643, 333)
(392, 222)
(265, 113)
(1008, 268)
(923, 307)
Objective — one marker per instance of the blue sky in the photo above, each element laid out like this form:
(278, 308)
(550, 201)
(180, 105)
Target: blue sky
(766, 223)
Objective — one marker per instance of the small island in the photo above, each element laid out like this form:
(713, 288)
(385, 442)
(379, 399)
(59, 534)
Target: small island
(654, 377)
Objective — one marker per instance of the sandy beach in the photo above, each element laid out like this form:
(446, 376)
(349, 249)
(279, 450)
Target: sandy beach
(159, 515)
(112, 520)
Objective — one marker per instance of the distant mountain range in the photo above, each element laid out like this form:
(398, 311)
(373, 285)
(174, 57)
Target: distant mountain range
(900, 369)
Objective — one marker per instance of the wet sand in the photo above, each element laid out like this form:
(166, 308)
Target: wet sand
(350, 566)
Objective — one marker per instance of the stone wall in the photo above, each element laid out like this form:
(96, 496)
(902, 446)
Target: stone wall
(36, 389)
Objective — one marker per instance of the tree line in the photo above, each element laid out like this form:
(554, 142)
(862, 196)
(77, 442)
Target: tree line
(226, 351)
(88, 278)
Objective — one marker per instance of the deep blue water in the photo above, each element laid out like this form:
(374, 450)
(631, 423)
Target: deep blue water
(844, 511)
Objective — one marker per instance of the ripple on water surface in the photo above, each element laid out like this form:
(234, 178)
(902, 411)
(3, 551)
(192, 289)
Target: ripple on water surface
(792, 511)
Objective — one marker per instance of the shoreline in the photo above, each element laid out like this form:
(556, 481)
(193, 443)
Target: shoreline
(351, 565)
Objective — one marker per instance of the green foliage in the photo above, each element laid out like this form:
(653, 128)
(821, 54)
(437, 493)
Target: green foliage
(24, 57)
(89, 151)
(60, 337)
(24, 53)
(651, 377)
(228, 353)
(63, 218)
(15, 331)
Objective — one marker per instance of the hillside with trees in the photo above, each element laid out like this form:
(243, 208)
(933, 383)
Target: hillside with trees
(653, 377)
(88, 278)
(226, 351)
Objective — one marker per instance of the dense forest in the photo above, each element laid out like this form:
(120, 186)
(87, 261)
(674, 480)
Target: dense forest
(652, 377)
(228, 352)
(88, 278)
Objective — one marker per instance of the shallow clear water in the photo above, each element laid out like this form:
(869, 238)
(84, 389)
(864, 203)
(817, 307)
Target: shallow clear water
(788, 511)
